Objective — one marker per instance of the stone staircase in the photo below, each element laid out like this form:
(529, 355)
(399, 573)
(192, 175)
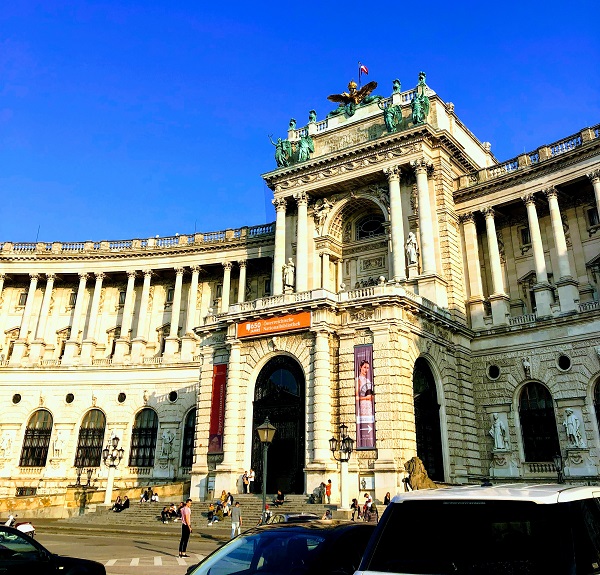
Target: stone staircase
(148, 514)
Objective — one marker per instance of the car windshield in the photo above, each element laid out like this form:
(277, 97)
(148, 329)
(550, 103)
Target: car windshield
(265, 552)
(469, 538)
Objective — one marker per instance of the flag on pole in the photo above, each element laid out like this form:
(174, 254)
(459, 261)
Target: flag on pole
(362, 69)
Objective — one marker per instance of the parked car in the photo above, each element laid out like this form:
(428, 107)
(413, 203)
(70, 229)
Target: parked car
(22, 555)
(313, 547)
(292, 518)
(491, 530)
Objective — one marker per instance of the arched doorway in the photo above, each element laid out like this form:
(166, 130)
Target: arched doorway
(279, 394)
(427, 420)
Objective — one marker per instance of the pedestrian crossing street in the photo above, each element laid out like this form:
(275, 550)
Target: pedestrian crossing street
(156, 561)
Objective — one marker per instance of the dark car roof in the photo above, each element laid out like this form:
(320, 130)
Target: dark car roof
(319, 525)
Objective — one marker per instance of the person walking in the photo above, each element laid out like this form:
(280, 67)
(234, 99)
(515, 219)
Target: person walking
(186, 527)
(328, 491)
(236, 519)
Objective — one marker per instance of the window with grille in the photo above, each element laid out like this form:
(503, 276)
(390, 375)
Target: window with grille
(91, 437)
(370, 226)
(37, 439)
(72, 298)
(22, 299)
(170, 295)
(187, 454)
(122, 296)
(538, 423)
(143, 439)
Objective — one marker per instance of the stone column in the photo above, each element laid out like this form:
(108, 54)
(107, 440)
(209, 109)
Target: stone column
(88, 347)
(21, 344)
(568, 294)
(122, 343)
(397, 223)
(475, 300)
(322, 406)
(595, 179)
(542, 289)
(72, 345)
(172, 340)
(138, 343)
(279, 255)
(302, 243)
(324, 270)
(242, 282)
(188, 340)
(226, 287)
(340, 275)
(498, 298)
(425, 218)
(36, 349)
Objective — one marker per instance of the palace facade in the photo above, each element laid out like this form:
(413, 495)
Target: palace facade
(432, 300)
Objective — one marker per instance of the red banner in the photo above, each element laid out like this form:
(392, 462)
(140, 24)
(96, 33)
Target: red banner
(217, 409)
(274, 324)
(365, 397)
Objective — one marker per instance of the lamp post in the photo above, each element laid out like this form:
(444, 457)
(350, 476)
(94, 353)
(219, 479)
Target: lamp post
(266, 431)
(341, 447)
(558, 465)
(111, 456)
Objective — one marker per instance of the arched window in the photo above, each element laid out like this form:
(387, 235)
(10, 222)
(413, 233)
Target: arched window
(189, 428)
(91, 436)
(143, 439)
(370, 226)
(597, 402)
(37, 439)
(538, 423)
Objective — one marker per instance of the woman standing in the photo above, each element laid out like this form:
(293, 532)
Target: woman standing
(186, 527)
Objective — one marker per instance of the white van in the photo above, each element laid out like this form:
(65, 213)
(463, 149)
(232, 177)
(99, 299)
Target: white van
(488, 530)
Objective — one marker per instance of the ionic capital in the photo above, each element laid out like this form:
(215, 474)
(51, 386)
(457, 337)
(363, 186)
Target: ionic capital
(468, 218)
(594, 176)
(421, 166)
(392, 173)
(529, 199)
(488, 212)
(280, 204)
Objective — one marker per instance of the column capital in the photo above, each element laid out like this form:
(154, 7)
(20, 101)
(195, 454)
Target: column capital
(179, 271)
(2, 277)
(148, 273)
(280, 204)
(528, 199)
(34, 277)
(468, 218)
(227, 265)
(594, 176)
(550, 192)
(242, 263)
(131, 274)
(83, 276)
(392, 173)
(100, 276)
(421, 166)
(301, 198)
(488, 212)
(195, 269)
(49, 277)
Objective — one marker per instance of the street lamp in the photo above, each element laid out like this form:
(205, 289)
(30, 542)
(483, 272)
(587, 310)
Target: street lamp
(341, 448)
(266, 431)
(111, 456)
(558, 465)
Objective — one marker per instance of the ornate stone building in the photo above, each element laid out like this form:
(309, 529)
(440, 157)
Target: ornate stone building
(412, 288)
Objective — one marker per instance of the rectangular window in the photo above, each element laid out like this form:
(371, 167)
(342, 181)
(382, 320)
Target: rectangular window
(122, 295)
(26, 491)
(22, 298)
(267, 287)
(170, 295)
(72, 298)
(593, 217)
(525, 236)
(219, 291)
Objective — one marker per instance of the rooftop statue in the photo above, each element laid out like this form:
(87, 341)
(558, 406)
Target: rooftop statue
(306, 146)
(352, 98)
(392, 116)
(420, 103)
(283, 152)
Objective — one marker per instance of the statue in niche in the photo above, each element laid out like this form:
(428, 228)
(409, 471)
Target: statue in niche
(58, 445)
(527, 367)
(312, 116)
(167, 442)
(420, 103)
(5, 444)
(292, 124)
(396, 88)
(572, 427)
(283, 152)
(289, 274)
(412, 249)
(499, 433)
(322, 208)
(306, 147)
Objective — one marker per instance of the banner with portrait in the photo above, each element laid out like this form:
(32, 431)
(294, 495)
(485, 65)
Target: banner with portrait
(365, 397)
(217, 409)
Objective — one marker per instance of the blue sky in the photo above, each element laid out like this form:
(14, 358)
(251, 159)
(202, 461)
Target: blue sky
(124, 119)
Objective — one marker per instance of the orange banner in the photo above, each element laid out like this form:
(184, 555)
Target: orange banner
(274, 324)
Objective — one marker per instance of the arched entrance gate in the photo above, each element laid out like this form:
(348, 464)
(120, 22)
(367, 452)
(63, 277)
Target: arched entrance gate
(279, 394)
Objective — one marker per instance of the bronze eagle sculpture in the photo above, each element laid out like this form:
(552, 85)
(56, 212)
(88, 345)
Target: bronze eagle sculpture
(353, 96)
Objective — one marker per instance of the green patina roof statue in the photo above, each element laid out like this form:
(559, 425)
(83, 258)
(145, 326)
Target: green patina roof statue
(420, 103)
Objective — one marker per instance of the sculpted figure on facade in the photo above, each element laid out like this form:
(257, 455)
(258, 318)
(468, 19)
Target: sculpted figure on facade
(322, 208)
(289, 274)
(396, 87)
(292, 125)
(58, 445)
(420, 103)
(392, 116)
(499, 433)
(572, 427)
(527, 367)
(350, 100)
(306, 147)
(412, 249)
(167, 442)
(312, 116)
(5, 444)
(283, 152)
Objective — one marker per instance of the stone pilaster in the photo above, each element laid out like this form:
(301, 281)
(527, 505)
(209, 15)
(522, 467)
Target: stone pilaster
(279, 255)
(322, 406)
(397, 224)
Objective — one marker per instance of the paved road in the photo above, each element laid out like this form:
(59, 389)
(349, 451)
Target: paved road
(130, 554)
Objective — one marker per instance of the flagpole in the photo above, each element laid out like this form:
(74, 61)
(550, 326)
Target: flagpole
(359, 75)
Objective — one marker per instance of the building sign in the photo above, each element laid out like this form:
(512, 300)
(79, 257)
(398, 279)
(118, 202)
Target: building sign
(365, 397)
(217, 409)
(274, 324)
